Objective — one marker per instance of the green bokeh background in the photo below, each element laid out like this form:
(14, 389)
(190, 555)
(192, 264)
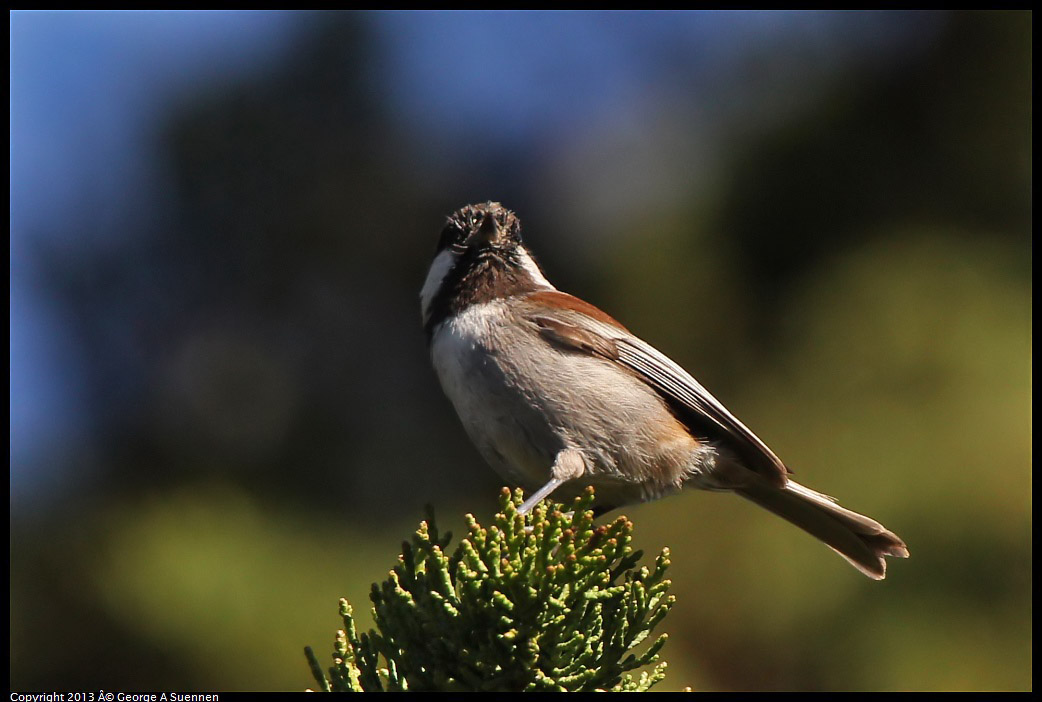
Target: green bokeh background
(851, 276)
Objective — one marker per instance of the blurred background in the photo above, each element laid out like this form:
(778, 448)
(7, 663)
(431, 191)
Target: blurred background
(222, 412)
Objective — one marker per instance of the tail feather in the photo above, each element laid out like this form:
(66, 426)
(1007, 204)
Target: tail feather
(861, 540)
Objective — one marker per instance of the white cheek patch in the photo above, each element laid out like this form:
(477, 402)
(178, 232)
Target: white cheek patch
(445, 261)
(440, 268)
(529, 265)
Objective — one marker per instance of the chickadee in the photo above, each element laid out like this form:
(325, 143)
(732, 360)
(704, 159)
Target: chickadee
(557, 395)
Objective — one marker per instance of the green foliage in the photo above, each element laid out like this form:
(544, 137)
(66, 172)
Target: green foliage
(543, 601)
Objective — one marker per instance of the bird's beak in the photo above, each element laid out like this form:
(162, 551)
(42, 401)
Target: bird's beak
(488, 232)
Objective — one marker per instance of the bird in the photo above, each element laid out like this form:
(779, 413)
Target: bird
(557, 395)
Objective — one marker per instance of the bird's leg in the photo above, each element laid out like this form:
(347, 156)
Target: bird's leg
(568, 465)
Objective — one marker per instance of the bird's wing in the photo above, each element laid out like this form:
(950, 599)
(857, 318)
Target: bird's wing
(571, 323)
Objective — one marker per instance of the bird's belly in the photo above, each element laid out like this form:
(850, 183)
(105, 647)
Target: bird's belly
(520, 408)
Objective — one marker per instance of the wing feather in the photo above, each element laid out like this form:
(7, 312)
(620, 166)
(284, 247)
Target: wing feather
(697, 407)
(568, 322)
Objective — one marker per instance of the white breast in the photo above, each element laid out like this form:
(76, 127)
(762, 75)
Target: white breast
(511, 434)
(459, 348)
